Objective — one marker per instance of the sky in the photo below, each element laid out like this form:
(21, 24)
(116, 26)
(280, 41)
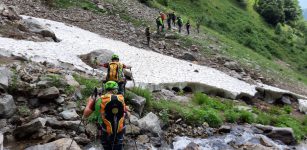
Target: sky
(303, 3)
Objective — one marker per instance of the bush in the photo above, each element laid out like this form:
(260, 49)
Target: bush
(288, 121)
(264, 119)
(200, 98)
(288, 109)
(207, 102)
(144, 93)
(231, 116)
(213, 118)
(89, 84)
(246, 116)
(242, 3)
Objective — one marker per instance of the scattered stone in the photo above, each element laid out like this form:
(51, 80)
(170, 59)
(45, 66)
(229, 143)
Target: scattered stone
(70, 105)
(286, 100)
(72, 125)
(9, 12)
(150, 123)
(138, 103)
(34, 102)
(49, 94)
(69, 114)
(60, 100)
(156, 141)
(91, 130)
(143, 139)
(7, 106)
(171, 36)
(82, 139)
(134, 120)
(224, 129)
(61, 144)
(302, 105)
(28, 129)
(192, 146)
(1, 141)
(132, 129)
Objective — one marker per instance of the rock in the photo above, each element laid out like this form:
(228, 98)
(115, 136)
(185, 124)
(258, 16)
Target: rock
(61, 144)
(286, 100)
(302, 105)
(1, 141)
(60, 100)
(3, 123)
(70, 105)
(233, 66)
(69, 114)
(7, 106)
(273, 95)
(132, 129)
(34, 102)
(82, 139)
(224, 129)
(188, 56)
(143, 139)
(5, 75)
(244, 108)
(134, 120)
(71, 81)
(49, 94)
(102, 56)
(91, 130)
(138, 103)
(30, 128)
(156, 141)
(171, 36)
(284, 135)
(192, 146)
(9, 12)
(72, 125)
(165, 94)
(32, 25)
(150, 123)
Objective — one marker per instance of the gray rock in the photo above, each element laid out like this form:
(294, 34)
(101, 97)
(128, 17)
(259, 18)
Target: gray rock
(284, 135)
(32, 25)
(9, 12)
(69, 114)
(143, 139)
(49, 94)
(138, 103)
(286, 100)
(61, 144)
(101, 56)
(188, 56)
(302, 105)
(60, 100)
(192, 146)
(165, 94)
(71, 81)
(150, 123)
(132, 129)
(171, 36)
(5, 75)
(224, 129)
(7, 106)
(29, 128)
(70, 105)
(72, 125)
(134, 120)
(34, 102)
(1, 141)
(82, 139)
(233, 66)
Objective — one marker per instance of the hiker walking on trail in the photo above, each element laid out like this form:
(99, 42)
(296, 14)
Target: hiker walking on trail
(109, 111)
(116, 73)
(147, 33)
(159, 23)
(197, 26)
(173, 17)
(163, 17)
(179, 23)
(188, 26)
(169, 21)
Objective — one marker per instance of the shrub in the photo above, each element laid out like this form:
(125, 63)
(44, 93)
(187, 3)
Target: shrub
(287, 109)
(200, 98)
(264, 119)
(24, 111)
(144, 93)
(288, 121)
(89, 84)
(246, 116)
(213, 118)
(231, 116)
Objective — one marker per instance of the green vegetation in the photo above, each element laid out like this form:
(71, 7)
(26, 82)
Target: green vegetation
(246, 37)
(217, 111)
(89, 84)
(144, 93)
(24, 110)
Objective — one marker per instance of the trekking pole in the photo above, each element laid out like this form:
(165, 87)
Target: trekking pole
(72, 140)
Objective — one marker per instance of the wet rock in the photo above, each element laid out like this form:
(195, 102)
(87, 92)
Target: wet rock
(29, 128)
(5, 75)
(192, 146)
(224, 129)
(284, 135)
(188, 56)
(142, 139)
(71, 81)
(61, 144)
(302, 105)
(49, 94)
(69, 114)
(32, 25)
(150, 123)
(7, 106)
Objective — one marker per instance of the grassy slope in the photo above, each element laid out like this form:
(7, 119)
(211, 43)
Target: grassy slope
(246, 36)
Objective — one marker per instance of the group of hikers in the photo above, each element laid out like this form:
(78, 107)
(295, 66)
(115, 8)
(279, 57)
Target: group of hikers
(107, 108)
(172, 20)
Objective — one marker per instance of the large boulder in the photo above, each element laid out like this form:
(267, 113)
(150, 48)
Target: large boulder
(32, 25)
(137, 102)
(150, 123)
(30, 128)
(71, 81)
(97, 56)
(51, 93)
(7, 106)
(61, 144)
(5, 75)
(188, 56)
(302, 105)
(69, 114)
(284, 135)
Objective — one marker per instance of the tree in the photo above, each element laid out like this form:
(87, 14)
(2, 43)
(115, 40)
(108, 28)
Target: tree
(292, 10)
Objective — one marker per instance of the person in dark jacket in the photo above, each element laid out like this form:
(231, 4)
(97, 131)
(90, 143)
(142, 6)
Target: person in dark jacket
(188, 26)
(147, 33)
(180, 23)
